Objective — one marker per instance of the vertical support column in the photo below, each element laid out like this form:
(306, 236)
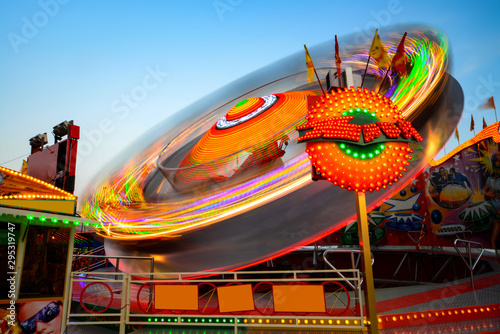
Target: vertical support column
(364, 243)
(349, 80)
(116, 267)
(67, 278)
(124, 314)
(21, 250)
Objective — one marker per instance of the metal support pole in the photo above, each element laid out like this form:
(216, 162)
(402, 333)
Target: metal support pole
(67, 279)
(441, 269)
(315, 260)
(21, 251)
(124, 307)
(152, 268)
(471, 266)
(399, 267)
(151, 278)
(366, 264)
(116, 267)
(468, 262)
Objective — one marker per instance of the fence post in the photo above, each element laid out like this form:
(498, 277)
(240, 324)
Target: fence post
(125, 303)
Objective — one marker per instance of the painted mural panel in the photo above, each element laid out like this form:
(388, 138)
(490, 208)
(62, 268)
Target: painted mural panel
(459, 198)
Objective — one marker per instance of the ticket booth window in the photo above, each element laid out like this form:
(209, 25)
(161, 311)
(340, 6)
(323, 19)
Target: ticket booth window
(45, 262)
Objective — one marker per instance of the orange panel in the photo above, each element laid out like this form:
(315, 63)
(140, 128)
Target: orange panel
(58, 206)
(235, 298)
(176, 297)
(299, 298)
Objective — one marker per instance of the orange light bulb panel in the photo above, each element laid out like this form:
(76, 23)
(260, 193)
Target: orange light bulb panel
(357, 139)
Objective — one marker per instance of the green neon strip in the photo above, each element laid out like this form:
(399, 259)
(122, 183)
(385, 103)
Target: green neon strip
(362, 152)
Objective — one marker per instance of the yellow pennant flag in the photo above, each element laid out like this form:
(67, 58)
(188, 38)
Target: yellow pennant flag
(24, 167)
(456, 135)
(310, 66)
(378, 52)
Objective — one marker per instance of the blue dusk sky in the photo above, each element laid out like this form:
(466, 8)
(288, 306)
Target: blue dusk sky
(80, 59)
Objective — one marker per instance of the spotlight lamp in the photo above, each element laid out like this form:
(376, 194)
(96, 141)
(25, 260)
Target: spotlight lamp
(61, 130)
(38, 141)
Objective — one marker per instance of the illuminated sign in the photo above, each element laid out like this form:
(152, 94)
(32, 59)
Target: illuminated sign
(357, 139)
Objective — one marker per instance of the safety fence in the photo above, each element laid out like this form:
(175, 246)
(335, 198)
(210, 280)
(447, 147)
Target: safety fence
(320, 299)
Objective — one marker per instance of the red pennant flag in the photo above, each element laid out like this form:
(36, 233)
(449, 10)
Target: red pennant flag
(490, 104)
(471, 123)
(399, 60)
(484, 124)
(337, 59)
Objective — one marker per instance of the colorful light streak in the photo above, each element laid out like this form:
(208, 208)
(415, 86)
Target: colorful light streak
(253, 130)
(119, 202)
(427, 53)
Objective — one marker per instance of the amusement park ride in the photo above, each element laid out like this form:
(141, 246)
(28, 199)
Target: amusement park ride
(230, 184)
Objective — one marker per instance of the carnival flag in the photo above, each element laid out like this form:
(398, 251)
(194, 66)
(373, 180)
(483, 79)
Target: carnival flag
(484, 124)
(399, 59)
(456, 135)
(24, 167)
(377, 51)
(337, 60)
(471, 123)
(490, 104)
(310, 66)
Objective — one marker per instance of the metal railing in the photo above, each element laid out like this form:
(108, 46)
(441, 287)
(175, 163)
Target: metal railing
(468, 262)
(84, 263)
(117, 266)
(131, 299)
(356, 287)
(354, 264)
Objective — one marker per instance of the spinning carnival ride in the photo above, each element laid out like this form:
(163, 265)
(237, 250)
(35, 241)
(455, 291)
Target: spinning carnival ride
(224, 184)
